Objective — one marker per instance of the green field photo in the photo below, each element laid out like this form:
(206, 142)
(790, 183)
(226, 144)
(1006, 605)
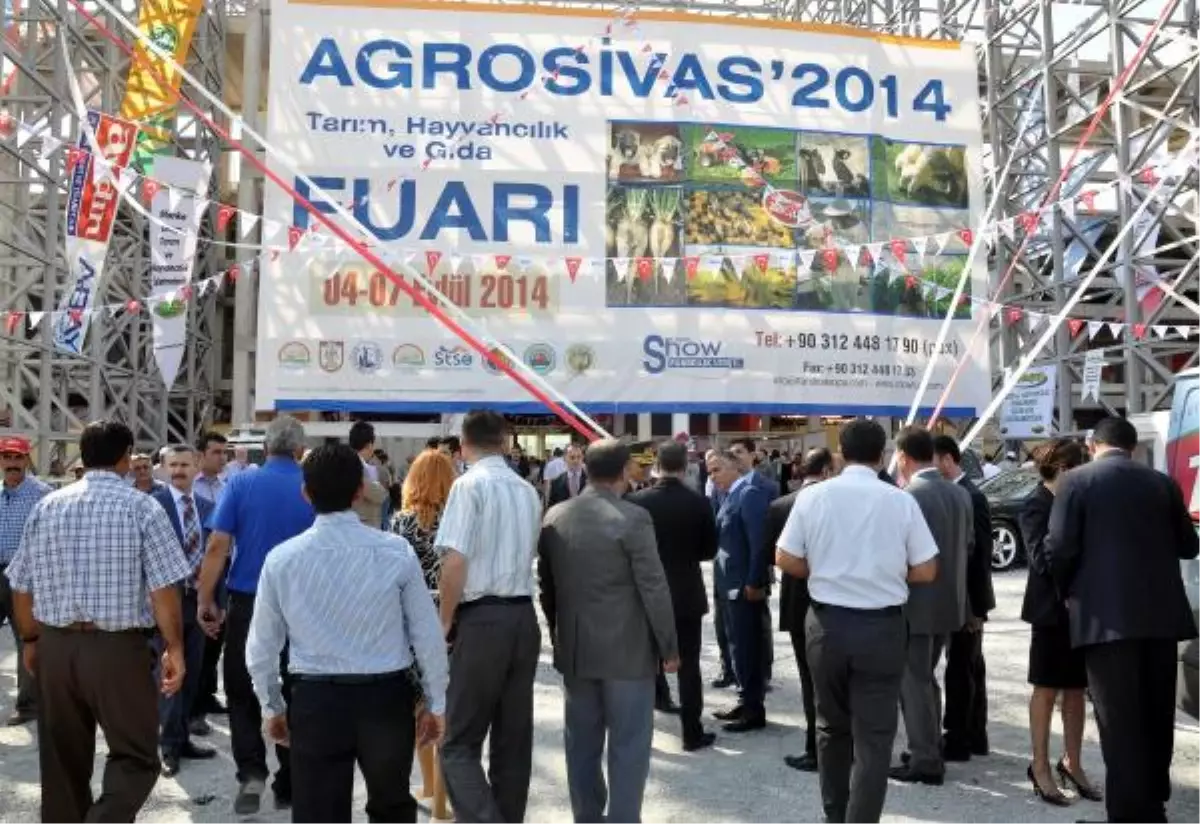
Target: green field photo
(711, 151)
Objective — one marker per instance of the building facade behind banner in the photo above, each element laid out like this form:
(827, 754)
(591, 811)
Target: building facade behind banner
(645, 219)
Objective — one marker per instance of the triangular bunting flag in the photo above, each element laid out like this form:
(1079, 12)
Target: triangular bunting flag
(1116, 329)
(1139, 330)
(1035, 320)
(133, 306)
(524, 263)
(50, 145)
(910, 282)
(691, 265)
(1088, 199)
(34, 319)
(899, 248)
(621, 265)
(761, 262)
(1094, 327)
(804, 260)
(1007, 228)
(149, 190)
(829, 257)
(1013, 315)
(1068, 209)
(966, 236)
(784, 260)
(1029, 222)
(1183, 331)
(668, 268)
(645, 268)
(294, 236)
(920, 244)
(224, 215)
(502, 261)
(24, 134)
(455, 261)
(573, 267)
(125, 178)
(1075, 325)
(738, 262)
(174, 196)
(875, 250)
(432, 258)
(1161, 331)
(248, 220)
(12, 321)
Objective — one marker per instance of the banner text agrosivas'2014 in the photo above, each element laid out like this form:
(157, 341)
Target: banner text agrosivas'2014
(508, 68)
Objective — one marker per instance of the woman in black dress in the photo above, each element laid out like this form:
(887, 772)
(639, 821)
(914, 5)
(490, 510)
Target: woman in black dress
(1054, 667)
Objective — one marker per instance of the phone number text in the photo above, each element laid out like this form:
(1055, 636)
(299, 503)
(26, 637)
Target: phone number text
(842, 342)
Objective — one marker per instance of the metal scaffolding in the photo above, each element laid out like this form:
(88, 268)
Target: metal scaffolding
(1043, 67)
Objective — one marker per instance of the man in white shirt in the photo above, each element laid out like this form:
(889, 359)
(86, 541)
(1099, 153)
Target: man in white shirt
(859, 543)
(556, 466)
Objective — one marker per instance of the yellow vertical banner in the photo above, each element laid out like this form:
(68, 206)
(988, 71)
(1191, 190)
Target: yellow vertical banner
(150, 102)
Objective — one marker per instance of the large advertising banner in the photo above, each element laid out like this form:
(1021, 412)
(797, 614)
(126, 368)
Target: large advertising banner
(643, 209)
(91, 209)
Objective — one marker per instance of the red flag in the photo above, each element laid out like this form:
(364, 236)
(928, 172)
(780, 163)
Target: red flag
(1013, 315)
(133, 306)
(294, 235)
(1139, 330)
(8, 124)
(150, 189)
(224, 215)
(645, 268)
(910, 282)
(502, 261)
(233, 273)
(185, 292)
(691, 265)
(1089, 200)
(761, 261)
(74, 155)
(830, 258)
(13, 321)
(1029, 221)
(573, 267)
(966, 236)
(1075, 325)
(1148, 176)
(76, 315)
(432, 259)
(899, 248)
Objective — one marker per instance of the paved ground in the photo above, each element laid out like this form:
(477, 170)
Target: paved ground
(742, 779)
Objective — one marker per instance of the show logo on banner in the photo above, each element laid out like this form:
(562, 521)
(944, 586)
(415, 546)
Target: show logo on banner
(1028, 411)
(173, 238)
(91, 208)
(169, 24)
(678, 214)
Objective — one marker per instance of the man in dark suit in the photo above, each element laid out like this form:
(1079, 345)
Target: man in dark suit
(934, 610)
(744, 450)
(608, 608)
(1118, 531)
(793, 600)
(686, 533)
(965, 721)
(570, 483)
(189, 515)
(740, 576)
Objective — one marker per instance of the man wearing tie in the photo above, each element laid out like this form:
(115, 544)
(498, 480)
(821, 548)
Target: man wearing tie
(189, 515)
(570, 483)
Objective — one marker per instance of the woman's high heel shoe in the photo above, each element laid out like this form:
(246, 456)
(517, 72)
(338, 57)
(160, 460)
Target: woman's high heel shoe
(1055, 799)
(1082, 790)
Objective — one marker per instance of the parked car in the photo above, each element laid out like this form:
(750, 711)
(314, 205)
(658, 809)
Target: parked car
(1007, 494)
(1182, 448)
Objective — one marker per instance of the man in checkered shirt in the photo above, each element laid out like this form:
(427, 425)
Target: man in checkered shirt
(90, 555)
(17, 497)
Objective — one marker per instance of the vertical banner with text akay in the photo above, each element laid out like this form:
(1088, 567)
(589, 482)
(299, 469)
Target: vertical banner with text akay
(173, 240)
(91, 209)
(169, 24)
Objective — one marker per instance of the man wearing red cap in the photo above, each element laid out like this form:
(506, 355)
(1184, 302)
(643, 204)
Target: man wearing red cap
(19, 493)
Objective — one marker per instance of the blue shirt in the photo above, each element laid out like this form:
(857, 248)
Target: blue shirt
(15, 506)
(260, 510)
(349, 600)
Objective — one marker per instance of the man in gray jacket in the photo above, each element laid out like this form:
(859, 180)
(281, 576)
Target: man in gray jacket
(935, 610)
(609, 612)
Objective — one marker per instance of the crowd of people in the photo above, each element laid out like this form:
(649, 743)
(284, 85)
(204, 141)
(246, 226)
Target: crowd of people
(366, 621)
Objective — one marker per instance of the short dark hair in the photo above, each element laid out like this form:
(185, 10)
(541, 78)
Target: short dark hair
(862, 441)
(672, 457)
(207, 438)
(1116, 432)
(361, 434)
(451, 441)
(748, 443)
(332, 476)
(1057, 456)
(816, 462)
(484, 429)
(104, 443)
(916, 442)
(945, 445)
(558, 452)
(382, 456)
(606, 460)
(432, 443)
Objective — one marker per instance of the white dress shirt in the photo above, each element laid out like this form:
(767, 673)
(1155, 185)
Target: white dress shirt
(556, 467)
(859, 536)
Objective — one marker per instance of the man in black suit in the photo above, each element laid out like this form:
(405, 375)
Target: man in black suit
(793, 600)
(965, 721)
(189, 515)
(570, 483)
(686, 532)
(1118, 531)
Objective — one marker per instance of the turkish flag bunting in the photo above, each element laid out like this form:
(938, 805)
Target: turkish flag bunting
(761, 262)
(910, 282)
(149, 190)
(133, 306)
(185, 293)
(224, 215)
(691, 265)
(830, 258)
(1148, 176)
(12, 321)
(966, 236)
(1139, 330)
(899, 249)
(234, 273)
(1013, 315)
(1075, 325)
(74, 155)
(75, 315)
(1029, 222)
(294, 235)
(645, 268)
(1089, 201)
(502, 261)
(573, 267)
(432, 259)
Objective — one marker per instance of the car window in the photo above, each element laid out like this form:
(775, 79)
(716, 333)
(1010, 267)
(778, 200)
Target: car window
(1011, 485)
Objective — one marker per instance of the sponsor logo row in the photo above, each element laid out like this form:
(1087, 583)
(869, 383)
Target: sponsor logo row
(368, 357)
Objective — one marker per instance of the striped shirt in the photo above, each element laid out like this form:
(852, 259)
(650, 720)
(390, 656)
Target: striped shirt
(15, 506)
(350, 600)
(209, 487)
(493, 518)
(93, 551)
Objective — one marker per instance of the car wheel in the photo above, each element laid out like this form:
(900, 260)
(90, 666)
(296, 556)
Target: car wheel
(1006, 546)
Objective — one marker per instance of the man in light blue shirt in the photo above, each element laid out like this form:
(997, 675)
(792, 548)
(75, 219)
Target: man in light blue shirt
(352, 603)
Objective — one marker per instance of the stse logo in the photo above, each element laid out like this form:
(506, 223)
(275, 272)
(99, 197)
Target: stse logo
(663, 353)
(453, 357)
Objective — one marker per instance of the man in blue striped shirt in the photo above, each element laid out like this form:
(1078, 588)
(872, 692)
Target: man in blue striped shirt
(352, 603)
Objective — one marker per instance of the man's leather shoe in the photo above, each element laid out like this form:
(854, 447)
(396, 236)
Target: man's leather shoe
(803, 763)
(20, 717)
(729, 713)
(170, 765)
(724, 682)
(746, 724)
(199, 726)
(981, 748)
(195, 752)
(668, 706)
(704, 741)
(908, 775)
(953, 752)
(249, 796)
